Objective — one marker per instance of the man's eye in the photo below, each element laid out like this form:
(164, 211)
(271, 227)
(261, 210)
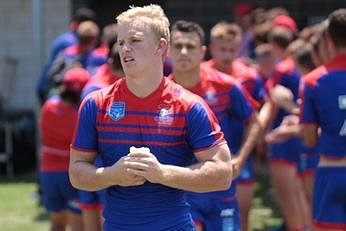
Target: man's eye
(190, 47)
(120, 43)
(178, 46)
(135, 40)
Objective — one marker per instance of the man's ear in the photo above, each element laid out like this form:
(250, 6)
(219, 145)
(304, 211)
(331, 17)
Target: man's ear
(203, 51)
(162, 46)
(331, 49)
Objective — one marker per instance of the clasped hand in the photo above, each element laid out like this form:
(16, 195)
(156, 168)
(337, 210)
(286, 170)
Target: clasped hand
(137, 167)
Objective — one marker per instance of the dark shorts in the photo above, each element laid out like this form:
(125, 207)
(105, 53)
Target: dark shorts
(215, 214)
(58, 193)
(246, 176)
(329, 198)
(92, 200)
(287, 152)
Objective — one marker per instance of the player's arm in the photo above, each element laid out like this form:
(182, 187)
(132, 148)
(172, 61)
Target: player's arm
(310, 134)
(242, 109)
(83, 173)
(288, 128)
(308, 117)
(252, 132)
(267, 114)
(283, 97)
(213, 171)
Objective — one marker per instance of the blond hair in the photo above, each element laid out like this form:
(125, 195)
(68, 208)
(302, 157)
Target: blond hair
(226, 31)
(152, 14)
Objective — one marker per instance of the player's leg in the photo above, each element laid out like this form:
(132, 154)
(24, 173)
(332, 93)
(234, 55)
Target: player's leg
(91, 206)
(92, 220)
(71, 201)
(285, 181)
(53, 199)
(58, 220)
(245, 192)
(308, 163)
(75, 221)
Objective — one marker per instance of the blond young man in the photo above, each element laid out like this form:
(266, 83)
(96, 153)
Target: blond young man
(145, 129)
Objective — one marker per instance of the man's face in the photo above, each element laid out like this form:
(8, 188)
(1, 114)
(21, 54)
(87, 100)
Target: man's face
(223, 53)
(187, 51)
(266, 64)
(138, 48)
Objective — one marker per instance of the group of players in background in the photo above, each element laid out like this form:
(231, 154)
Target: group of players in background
(275, 90)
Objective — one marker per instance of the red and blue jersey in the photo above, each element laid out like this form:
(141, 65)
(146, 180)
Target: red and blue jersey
(324, 103)
(171, 121)
(248, 77)
(285, 74)
(230, 104)
(56, 122)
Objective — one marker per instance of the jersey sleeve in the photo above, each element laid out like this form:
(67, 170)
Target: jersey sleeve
(86, 91)
(307, 107)
(203, 129)
(85, 134)
(240, 106)
(259, 91)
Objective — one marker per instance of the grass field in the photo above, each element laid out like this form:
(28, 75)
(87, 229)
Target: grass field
(18, 207)
(21, 211)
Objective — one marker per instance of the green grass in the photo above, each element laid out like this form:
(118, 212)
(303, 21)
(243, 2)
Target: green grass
(264, 214)
(18, 208)
(21, 211)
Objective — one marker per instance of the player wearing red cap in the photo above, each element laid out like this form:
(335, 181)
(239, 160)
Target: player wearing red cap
(57, 119)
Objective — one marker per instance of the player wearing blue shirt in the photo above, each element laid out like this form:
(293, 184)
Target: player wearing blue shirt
(231, 105)
(324, 107)
(146, 186)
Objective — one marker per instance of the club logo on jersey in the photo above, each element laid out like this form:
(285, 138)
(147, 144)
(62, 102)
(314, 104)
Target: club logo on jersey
(164, 115)
(117, 111)
(210, 97)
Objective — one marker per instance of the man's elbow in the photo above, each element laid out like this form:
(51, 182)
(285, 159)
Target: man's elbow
(224, 178)
(74, 178)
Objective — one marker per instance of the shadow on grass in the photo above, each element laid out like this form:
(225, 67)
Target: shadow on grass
(42, 216)
(29, 177)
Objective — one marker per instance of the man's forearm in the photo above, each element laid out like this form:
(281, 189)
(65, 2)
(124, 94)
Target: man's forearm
(252, 132)
(201, 177)
(87, 177)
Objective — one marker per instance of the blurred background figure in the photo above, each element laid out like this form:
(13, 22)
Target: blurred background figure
(57, 120)
(61, 42)
(79, 55)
